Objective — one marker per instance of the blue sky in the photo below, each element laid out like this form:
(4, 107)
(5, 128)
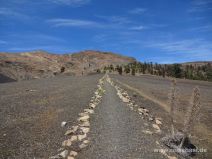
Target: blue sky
(163, 31)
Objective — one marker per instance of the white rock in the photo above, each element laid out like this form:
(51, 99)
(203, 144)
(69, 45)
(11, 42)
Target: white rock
(81, 137)
(64, 154)
(73, 138)
(141, 110)
(151, 119)
(84, 118)
(125, 100)
(156, 126)
(172, 157)
(89, 111)
(158, 130)
(158, 122)
(83, 146)
(67, 143)
(83, 114)
(92, 105)
(85, 129)
(147, 132)
(86, 141)
(146, 114)
(63, 124)
(55, 157)
(146, 110)
(72, 130)
(85, 124)
(73, 153)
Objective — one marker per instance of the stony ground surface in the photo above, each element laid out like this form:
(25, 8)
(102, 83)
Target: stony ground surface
(91, 117)
(158, 88)
(31, 113)
(116, 132)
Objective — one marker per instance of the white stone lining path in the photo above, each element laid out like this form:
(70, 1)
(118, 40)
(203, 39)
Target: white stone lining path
(143, 112)
(78, 135)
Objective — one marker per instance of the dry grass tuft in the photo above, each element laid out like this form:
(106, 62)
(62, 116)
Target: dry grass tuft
(173, 104)
(192, 113)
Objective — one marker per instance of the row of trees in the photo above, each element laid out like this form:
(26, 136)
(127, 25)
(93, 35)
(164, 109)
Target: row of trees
(195, 72)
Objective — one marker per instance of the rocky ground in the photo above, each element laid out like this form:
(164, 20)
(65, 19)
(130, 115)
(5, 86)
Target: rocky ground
(31, 113)
(152, 93)
(117, 132)
(86, 117)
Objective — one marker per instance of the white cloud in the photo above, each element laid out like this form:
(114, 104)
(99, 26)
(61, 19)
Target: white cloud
(71, 2)
(189, 47)
(2, 42)
(106, 22)
(137, 28)
(11, 13)
(200, 6)
(137, 11)
(201, 2)
(50, 48)
(203, 28)
(74, 23)
(115, 19)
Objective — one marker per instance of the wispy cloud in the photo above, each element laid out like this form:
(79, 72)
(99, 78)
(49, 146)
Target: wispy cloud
(31, 39)
(189, 47)
(203, 28)
(2, 42)
(75, 3)
(7, 12)
(137, 28)
(115, 19)
(200, 6)
(201, 2)
(74, 23)
(50, 48)
(99, 38)
(138, 11)
(105, 22)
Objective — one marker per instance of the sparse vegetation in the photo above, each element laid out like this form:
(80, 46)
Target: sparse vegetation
(173, 104)
(62, 69)
(192, 114)
(187, 71)
(179, 140)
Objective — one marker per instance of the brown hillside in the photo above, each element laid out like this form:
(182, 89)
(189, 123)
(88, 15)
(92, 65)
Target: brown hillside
(40, 64)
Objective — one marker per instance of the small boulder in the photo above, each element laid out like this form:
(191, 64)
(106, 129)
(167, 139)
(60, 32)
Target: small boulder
(73, 153)
(84, 118)
(64, 154)
(63, 124)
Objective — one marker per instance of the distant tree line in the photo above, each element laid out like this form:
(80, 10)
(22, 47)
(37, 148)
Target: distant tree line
(188, 71)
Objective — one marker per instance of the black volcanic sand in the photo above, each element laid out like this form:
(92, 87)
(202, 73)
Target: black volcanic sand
(158, 88)
(31, 113)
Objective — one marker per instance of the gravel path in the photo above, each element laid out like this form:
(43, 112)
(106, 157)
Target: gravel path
(158, 88)
(116, 132)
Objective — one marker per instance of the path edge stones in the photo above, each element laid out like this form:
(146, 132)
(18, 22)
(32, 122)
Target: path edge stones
(143, 112)
(77, 135)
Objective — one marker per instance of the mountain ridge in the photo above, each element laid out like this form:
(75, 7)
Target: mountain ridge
(41, 64)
